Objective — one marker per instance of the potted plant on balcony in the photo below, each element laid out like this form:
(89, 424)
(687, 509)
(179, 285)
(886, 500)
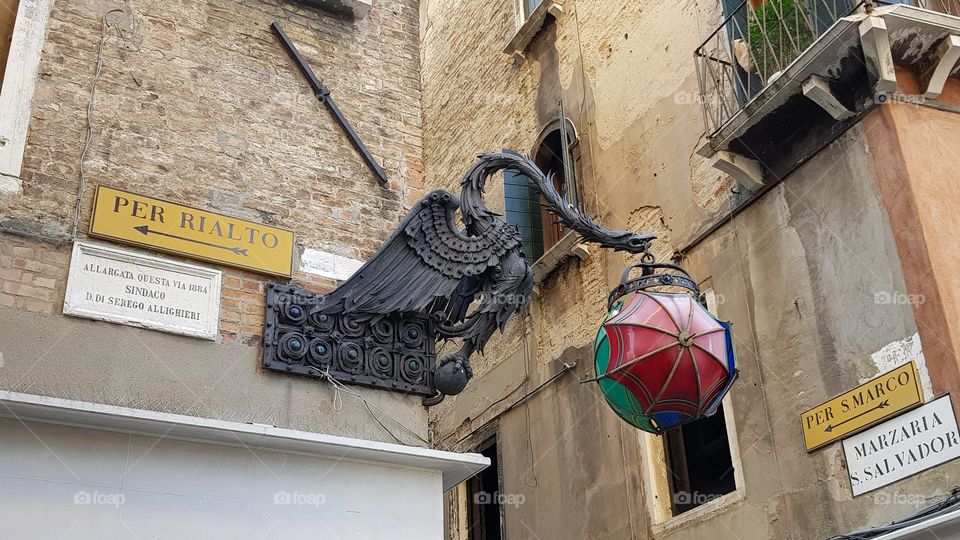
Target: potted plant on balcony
(778, 32)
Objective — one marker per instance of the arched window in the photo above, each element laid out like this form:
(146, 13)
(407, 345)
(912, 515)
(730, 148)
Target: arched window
(524, 207)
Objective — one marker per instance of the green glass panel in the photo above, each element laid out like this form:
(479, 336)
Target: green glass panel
(619, 399)
(522, 209)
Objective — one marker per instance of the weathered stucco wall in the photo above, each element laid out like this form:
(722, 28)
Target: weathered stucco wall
(915, 172)
(636, 161)
(198, 103)
(801, 274)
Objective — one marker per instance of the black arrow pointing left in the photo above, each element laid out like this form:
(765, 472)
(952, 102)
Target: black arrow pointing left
(145, 230)
(883, 404)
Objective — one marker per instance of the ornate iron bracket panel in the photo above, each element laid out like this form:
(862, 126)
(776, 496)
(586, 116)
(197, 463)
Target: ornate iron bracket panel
(393, 352)
(431, 279)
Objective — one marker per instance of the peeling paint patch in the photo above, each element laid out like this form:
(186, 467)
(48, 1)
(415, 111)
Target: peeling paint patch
(329, 265)
(897, 353)
(10, 185)
(233, 145)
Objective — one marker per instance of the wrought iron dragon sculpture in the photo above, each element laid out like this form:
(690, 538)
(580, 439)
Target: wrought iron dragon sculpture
(430, 280)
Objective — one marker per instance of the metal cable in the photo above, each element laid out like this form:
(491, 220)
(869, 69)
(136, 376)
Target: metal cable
(338, 404)
(104, 36)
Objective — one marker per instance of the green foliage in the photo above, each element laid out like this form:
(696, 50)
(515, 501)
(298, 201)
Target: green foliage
(778, 33)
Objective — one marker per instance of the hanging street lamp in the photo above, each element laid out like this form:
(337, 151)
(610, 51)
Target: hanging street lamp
(661, 359)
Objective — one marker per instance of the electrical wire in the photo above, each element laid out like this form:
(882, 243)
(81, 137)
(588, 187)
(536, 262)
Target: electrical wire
(566, 367)
(104, 37)
(339, 387)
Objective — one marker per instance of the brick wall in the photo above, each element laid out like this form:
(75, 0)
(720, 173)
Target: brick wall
(198, 103)
(32, 274)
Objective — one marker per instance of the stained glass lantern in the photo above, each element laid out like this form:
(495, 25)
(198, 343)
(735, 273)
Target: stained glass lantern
(662, 360)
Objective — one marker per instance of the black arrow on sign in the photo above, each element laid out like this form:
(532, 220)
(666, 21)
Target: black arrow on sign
(145, 230)
(883, 404)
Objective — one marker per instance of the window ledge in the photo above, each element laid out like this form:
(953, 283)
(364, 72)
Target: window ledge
(10, 185)
(566, 247)
(356, 8)
(700, 513)
(531, 27)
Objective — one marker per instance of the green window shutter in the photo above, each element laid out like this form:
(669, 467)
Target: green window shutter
(522, 210)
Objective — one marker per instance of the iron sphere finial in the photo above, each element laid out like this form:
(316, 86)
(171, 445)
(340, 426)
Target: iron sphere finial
(450, 378)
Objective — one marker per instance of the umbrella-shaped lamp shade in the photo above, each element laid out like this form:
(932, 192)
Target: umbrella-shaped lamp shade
(662, 360)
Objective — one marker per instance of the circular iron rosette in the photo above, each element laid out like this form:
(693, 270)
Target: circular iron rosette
(291, 311)
(350, 355)
(320, 353)
(414, 368)
(353, 325)
(381, 363)
(292, 348)
(383, 331)
(413, 335)
(322, 322)
(661, 359)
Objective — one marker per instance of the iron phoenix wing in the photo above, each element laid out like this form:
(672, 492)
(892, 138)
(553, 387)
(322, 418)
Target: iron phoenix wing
(423, 260)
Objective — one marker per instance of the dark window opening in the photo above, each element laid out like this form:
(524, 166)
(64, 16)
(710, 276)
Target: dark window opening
(8, 18)
(483, 498)
(524, 207)
(699, 465)
(550, 158)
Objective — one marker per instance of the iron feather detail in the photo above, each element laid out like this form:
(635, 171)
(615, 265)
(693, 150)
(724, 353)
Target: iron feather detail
(454, 283)
(573, 217)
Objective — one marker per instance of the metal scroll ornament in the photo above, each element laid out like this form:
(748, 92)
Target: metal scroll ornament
(430, 280)
(662, 360)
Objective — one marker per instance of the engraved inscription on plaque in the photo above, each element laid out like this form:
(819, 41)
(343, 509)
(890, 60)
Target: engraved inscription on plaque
(125, 287)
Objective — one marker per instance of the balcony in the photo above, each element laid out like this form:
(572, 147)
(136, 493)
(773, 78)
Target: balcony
(778, 66)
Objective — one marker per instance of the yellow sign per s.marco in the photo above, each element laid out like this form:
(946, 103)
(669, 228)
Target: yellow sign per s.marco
(165, 226)
(889, 394)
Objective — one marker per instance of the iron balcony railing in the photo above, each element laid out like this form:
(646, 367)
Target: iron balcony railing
(758, 39)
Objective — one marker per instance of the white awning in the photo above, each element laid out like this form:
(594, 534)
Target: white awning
(455, 468)
(942, 526)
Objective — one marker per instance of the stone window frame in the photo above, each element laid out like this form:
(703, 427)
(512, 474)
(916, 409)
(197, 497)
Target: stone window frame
(656, 484)
(529, 25)
(568, 245)
(19, 83)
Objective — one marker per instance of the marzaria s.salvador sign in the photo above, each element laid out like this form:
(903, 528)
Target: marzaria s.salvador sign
(903, 446)
(192, 232)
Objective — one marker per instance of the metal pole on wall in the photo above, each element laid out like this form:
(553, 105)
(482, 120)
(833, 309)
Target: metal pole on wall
(570, 185)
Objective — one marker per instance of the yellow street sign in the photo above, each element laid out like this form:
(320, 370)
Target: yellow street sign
(165, 226)
(882, 397)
